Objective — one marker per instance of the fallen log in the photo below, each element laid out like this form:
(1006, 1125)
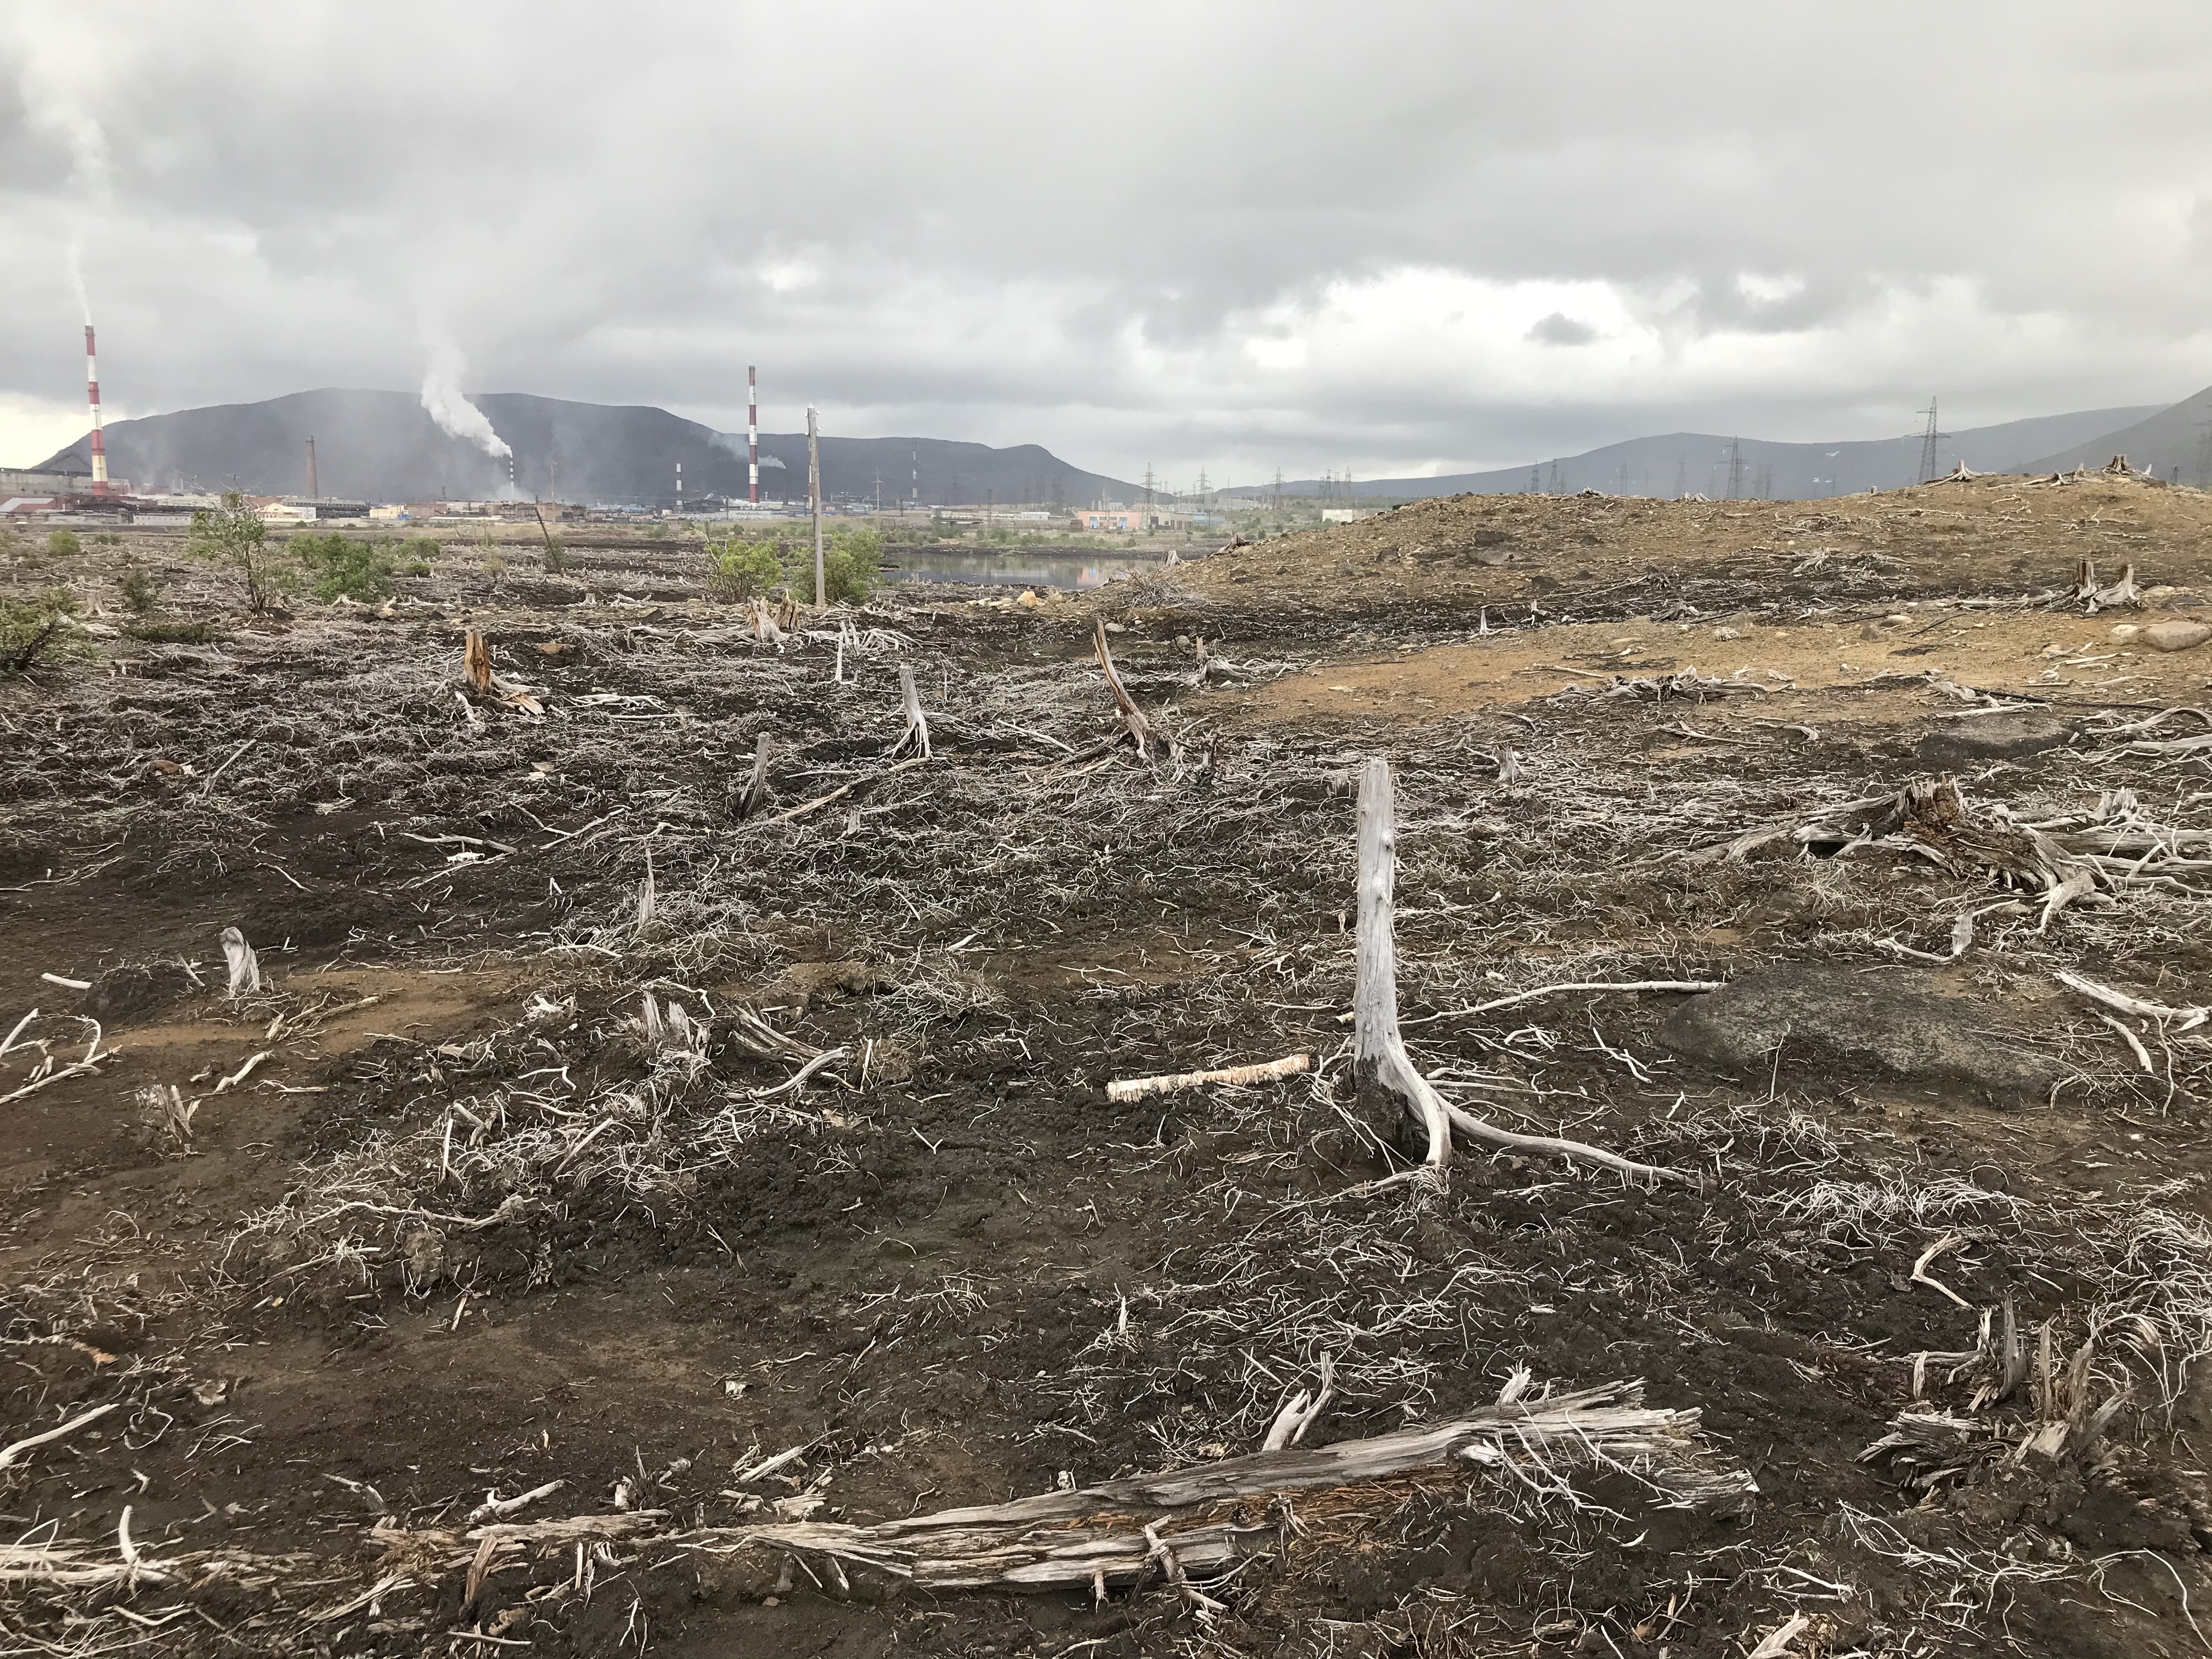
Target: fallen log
(1113, 1533)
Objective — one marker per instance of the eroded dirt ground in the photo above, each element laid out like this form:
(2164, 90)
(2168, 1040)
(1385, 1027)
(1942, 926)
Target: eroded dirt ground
(466, 1227)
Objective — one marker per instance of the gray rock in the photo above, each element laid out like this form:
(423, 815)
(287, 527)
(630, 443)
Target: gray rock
(1992, 737)
(2176, 635)
(1837, 1025)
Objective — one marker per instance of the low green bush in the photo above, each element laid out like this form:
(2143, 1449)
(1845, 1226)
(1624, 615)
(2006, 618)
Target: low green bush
(38, 628)
(142, 589)
(342, 568)
(852, 565)
(64, 544)
(737, 570)
(172, 633)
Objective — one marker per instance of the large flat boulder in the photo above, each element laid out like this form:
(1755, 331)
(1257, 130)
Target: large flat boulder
(1977, 738)
(1904, 1028)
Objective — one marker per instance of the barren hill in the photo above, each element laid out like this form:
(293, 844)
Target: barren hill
(2175, 443)
(382, 446)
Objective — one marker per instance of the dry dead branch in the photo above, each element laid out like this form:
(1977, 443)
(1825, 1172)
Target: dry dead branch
(1133, 723)
(843, 790)
(16, 1451)
(2186, 1019)
(1140, 1088)
(758, 786)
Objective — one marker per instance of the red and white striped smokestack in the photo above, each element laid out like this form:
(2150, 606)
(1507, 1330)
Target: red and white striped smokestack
(99, 443)
(752, 427)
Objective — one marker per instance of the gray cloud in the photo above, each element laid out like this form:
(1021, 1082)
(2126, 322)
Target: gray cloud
(1561, 330)
(1232, 237)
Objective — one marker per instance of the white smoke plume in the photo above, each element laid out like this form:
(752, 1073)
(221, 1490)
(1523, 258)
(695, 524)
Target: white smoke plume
(448, 405)
(77, 280)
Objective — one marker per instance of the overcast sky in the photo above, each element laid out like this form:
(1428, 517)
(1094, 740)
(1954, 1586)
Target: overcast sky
(1394, 238)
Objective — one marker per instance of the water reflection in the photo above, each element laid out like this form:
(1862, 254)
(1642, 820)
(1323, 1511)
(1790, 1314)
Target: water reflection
(1014, 570)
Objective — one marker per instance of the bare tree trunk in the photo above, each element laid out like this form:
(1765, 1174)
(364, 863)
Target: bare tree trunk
(1394, 1097)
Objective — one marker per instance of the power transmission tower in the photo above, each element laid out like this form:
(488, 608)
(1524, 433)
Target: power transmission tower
(2204, 455)
(1536, 481)
(1735, 468)
(1279, 491)
(1556, 487)
(1681, 476)
(1928, 439)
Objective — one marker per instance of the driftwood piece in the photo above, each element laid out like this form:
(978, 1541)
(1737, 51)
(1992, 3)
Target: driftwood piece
(1140, 1088)
(1383, 1070)
(1133, 723)
(476, 663)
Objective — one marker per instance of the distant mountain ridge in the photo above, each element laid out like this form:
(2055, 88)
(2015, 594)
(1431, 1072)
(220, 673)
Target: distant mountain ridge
(383, 446)
(2174, 442)
(1698, 462)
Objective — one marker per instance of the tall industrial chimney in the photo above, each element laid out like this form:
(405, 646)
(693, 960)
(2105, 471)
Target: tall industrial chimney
(314, 489)
(752, 427)
(99, 443)
(680, 490)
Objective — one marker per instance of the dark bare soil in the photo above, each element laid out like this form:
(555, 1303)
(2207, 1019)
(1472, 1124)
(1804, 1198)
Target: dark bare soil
(467, 1228)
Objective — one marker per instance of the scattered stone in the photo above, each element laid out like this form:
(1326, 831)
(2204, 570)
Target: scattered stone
(2176, 635)
(1902, 1025)
(2123, 633)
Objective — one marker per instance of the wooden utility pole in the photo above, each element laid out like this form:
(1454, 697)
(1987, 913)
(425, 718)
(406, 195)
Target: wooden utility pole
(814, 492)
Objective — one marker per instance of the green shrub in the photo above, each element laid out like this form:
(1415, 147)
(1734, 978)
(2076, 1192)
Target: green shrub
(233, 534)
(64, 544)
(343, 567)
(109, 538)
(738, 570)
(142, 589)
(556, 555)
(852, 564)
(37, 629)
